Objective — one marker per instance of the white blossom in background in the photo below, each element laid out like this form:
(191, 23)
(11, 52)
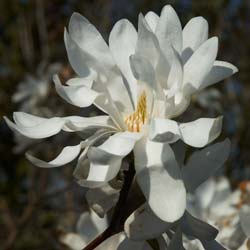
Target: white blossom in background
(228, 210)
(141, 81)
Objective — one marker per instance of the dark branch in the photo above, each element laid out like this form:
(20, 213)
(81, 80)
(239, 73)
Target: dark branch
(119, 215)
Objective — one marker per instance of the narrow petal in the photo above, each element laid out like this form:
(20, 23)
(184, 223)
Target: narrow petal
(159, 178)
(169, 30)
(164, 130)
(82, 62)
(199, 65)
(152, 19)
(78, 95)
(201, 132)
(194, 34)
(88, 38)
(220, 71)
(204, 163)
(143, 224)
(175, 77)
(78, 123)
(122, 43)
(67, 155)
(192, 226)
(45, 128)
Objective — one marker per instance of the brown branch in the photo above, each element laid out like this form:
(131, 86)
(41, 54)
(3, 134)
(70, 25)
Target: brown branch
(119, 215)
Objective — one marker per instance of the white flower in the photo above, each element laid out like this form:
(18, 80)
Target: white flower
(141, 81)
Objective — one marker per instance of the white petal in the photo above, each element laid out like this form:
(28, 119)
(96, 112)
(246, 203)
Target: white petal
(143, 224)
(220, 71)
(78, 95)
(199, 65)
(152, 20)
(82, 62)
(159, 178)
(201, 132)
(27, 120)
(122, 43)
(67, 155)
(105, 160)
(43, 128)
(89, 226)
(168, 30)
(88, 38)
(194, 227)
(194, 34)
(78, 123)
(101, 200)
(202, 164)
(175, 77)
(164, 130)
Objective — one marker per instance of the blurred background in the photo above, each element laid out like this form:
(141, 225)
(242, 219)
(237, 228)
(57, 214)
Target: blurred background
(37, 205)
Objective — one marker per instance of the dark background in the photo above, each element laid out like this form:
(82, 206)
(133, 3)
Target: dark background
(37, 205)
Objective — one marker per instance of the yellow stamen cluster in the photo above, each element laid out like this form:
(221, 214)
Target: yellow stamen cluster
(136, 120)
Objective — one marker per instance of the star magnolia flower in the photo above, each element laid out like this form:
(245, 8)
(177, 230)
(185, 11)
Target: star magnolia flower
(141, 81)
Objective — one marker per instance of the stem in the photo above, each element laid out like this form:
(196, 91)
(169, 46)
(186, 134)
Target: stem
(119, 216)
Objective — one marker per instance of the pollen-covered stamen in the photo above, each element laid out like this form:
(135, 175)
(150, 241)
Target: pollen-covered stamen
(136, 120)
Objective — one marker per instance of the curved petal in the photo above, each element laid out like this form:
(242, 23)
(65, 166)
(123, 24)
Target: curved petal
(199, 65)
(43, 128)
(82, 62)
(88, 38)
(194, 227)
(175, 77)
(159, 178)
(169, 30)
(201, 132)
(148, 46)
(194, 34)
(122, 43)
(78, 123)
(78, 95)
(164, 130)
(67, 155)
(105, 160)
(220, 71)
(202, 164)
(143, 224)
(152, 19)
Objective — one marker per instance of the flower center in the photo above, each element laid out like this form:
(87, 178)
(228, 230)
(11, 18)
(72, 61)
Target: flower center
(136, 120)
